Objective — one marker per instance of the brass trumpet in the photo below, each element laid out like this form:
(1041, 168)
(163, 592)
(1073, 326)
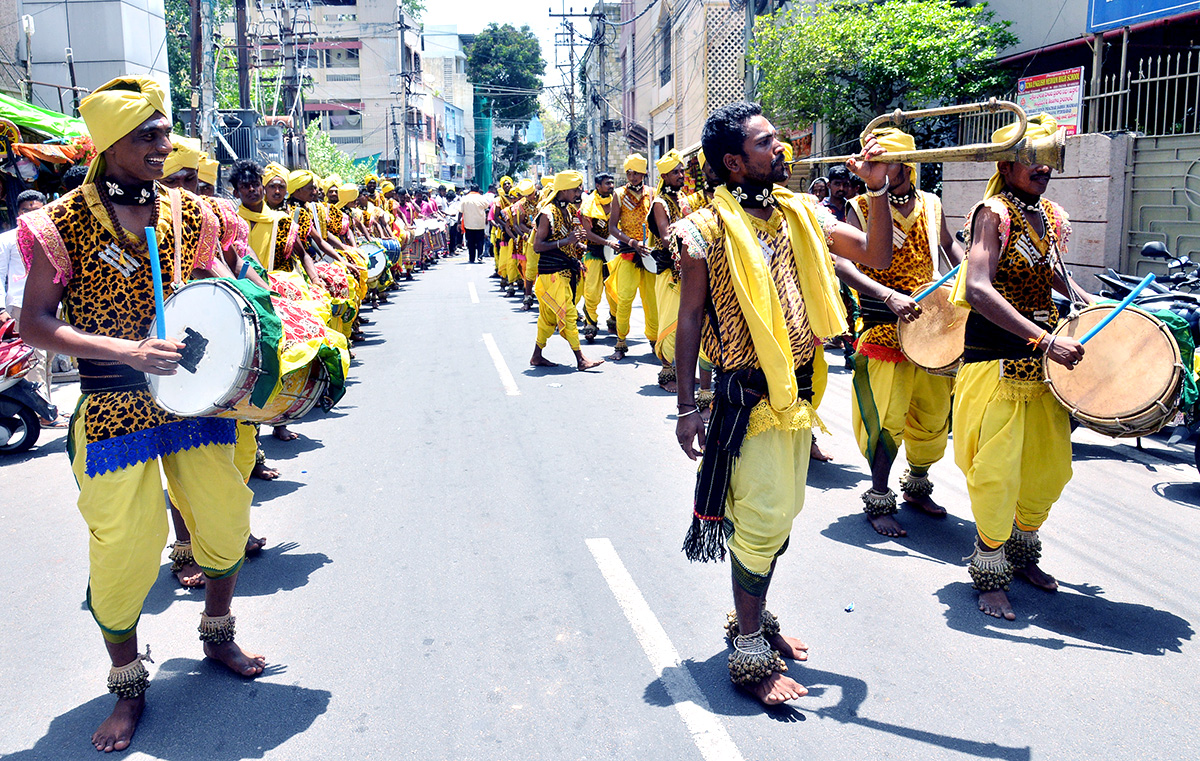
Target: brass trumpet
(1050, 151)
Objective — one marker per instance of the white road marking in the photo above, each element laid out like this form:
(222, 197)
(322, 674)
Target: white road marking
(473, 292)
(706, 729)
(506, 378)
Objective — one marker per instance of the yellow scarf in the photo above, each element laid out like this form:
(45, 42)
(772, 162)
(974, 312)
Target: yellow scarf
(758, 297)
(596, 207)
(263, 228)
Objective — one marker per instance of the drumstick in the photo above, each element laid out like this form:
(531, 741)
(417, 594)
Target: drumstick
(938, 284)
(1146, 281)
(160, 320)
(245, 267)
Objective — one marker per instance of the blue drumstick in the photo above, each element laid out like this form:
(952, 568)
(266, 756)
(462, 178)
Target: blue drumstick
(938, 284)
(1146, 281)
(245, 267)
(160, 320)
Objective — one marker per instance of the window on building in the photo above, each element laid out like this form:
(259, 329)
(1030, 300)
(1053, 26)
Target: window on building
(664, 72)
(341, 58)
(342, 120)
(307, 58)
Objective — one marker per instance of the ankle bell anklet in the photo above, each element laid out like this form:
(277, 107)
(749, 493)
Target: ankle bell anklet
(666, 375)
(216, 630)
(132, 679)
(876, 503)
(915, 486)
(753, 660)
(989, 569)
(1023, 548)
(769, 625)
(181, 555)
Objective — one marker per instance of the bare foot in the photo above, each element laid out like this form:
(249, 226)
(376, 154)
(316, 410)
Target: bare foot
(190, 576)
(616, 356)
(117, 730)
(887, 525)
(255, 544)
(1037, 577)
(282, 433)
(995, 604)
(537, 361)
(261, 471)
(815, 453)
(926, 505)
(776, 689)
(670, 386)
(789, 647)
(587, 364)
(235, 658)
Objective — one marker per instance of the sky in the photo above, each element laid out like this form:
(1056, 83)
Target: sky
(472, 16)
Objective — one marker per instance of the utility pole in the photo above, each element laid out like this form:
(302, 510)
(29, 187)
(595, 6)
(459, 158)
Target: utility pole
(603, 45)
(197, 62)
(566, 39)
(208, 74)
(402, 159)
(243, 57)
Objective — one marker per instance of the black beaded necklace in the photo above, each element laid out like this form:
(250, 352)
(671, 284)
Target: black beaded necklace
(124, 237)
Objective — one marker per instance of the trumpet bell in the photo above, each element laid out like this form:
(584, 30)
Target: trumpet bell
(1050, 150)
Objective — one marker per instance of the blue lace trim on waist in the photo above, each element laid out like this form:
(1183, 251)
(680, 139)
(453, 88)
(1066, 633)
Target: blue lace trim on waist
(122, 451)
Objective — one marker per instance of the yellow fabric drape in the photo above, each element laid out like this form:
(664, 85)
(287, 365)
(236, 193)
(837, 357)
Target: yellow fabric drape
(263, 227)
(208, 170)
(758, 298)
(596, 207)
(185, 154)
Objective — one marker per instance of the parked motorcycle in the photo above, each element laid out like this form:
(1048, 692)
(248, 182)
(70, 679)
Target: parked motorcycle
(19, 423)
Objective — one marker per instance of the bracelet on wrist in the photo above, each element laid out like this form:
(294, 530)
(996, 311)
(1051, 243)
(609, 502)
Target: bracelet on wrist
(887, 183)
(685, 414)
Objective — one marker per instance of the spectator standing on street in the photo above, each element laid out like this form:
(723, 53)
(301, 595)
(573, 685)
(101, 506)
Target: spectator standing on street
(474, 219)
(453, 218)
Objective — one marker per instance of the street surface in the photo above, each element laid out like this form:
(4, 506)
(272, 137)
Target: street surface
(471, 559)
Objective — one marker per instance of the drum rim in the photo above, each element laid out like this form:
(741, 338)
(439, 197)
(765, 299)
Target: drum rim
(247, 377)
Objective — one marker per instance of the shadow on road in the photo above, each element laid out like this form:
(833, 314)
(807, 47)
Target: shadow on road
(1080, 615)
(196, 710)
(265, 491)
(45, 447)
(1082, 451)
(941, 540)
(287, 450)
(1186, 493)
(836, 475)
(545, 372)
(851, 692)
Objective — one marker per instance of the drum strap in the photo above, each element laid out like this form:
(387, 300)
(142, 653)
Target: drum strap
(97, 377)
(177, 225)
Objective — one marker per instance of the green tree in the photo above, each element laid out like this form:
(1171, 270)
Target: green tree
(555, 144)
(845, 63)
(505, 64)
(324, 157)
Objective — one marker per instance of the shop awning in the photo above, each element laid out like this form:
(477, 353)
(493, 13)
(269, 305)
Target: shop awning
(40, 120)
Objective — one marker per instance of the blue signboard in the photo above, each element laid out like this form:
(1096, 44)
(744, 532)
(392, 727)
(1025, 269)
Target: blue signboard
(1114, 14)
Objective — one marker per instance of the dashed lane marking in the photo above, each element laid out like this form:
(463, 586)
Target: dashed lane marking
(474, 293)
(506, 378)
(706, 729)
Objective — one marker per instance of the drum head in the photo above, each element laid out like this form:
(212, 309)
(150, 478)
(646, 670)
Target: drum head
(935, 340)
(378, 263)
(609, 254)
(213, 310)
(649, 263)
(1126, 367)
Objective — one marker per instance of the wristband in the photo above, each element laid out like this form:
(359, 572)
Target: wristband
(887, 183)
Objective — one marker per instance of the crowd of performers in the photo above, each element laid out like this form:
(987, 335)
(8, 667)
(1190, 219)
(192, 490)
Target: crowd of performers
(306, 254)
(745, 281)
(738, 280)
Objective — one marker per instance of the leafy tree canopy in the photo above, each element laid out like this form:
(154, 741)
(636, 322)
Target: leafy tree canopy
(845, 63)
(554, 146)
(502, 63)
(511, 157)
(324, 157)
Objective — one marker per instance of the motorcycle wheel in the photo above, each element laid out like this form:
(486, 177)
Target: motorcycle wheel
(25, 431)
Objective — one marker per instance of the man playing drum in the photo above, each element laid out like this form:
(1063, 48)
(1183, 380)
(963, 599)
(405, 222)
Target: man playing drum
(665, 210)
(595, 213)
(1012, 439)
(628, 278)
(894, 400)
(88, 250)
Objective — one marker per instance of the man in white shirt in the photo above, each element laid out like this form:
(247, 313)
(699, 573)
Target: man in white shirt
(453, 215)
(12, 293)
(474, 219)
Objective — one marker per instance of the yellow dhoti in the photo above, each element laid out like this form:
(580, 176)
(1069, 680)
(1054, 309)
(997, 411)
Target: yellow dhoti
(127, 523)
(556, 309)
(898, 402)
(594, 290)
(1012, 440)
(628, 280)
(766, 493)
(666, 301)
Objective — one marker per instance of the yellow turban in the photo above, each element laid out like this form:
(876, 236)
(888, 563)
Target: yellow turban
(513, 192)
(299, 179)
(787, 152)
(1042, 125)
(386, 187)
(185, 154)
(895, 140)
(115, 109)
(568, 180)
(525, 187)
(273, 170)
(505, 179)
(208, 170)
(346, 194)
(668, 162)
(546, 180)
(635, 162)
(369, 178)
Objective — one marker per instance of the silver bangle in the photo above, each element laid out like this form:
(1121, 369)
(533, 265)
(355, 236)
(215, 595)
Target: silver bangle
(679, 415)
(887, 183)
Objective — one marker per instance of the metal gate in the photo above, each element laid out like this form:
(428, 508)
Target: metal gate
(1163, 199)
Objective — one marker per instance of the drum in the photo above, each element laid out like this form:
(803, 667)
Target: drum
(222, 359)
(649, 264)
(299, 393)
(934, 341)
(377, 261)
(1129, 380)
